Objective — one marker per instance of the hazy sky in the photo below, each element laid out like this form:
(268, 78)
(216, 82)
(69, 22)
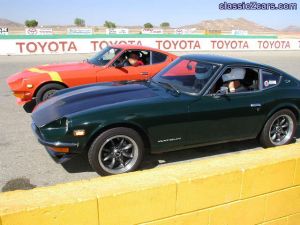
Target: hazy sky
(138, 12)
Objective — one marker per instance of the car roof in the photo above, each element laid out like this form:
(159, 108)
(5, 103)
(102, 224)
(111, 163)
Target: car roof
(219, 59)
(139, 47)
(225, 60)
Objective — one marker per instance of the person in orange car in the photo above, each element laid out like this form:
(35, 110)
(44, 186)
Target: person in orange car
(134, 60)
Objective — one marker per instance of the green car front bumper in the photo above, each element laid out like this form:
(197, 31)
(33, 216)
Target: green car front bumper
(59, 157)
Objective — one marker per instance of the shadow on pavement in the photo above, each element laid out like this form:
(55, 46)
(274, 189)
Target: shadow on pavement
(80, 163)
(20, 183)
(197, 153)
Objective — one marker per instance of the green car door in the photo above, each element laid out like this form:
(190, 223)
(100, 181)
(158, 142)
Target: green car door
(216, 117)
(228, 117)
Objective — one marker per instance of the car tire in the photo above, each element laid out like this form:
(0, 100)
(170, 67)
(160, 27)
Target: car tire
(115, 151)
(46, 91)
(279, 130)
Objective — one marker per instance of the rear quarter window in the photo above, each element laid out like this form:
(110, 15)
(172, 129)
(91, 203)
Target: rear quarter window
(158, 57)
(270, 79)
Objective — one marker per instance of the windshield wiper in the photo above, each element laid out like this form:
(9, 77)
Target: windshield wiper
(170, 86)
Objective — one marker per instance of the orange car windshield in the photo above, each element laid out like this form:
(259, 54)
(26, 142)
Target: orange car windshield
(104, 57)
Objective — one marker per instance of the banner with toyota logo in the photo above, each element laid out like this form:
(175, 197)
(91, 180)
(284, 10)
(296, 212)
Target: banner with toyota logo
(38, 31)
(90, 45)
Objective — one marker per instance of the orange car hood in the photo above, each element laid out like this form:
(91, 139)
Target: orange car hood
(72, 66)
(60, 68)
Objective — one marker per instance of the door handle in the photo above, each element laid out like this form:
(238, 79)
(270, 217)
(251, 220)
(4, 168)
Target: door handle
(255, 105)
(144, 73)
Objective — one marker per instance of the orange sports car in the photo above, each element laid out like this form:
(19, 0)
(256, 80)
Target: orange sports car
(114, 63)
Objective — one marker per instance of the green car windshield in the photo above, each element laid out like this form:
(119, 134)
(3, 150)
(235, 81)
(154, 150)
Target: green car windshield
(186, 75)
(104, 57)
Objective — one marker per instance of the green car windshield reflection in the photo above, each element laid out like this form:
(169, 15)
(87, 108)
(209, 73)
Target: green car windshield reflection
(185, 75)
(104, 56)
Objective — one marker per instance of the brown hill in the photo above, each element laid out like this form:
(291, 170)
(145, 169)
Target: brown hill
(229, 24)
(291, 29)
(9, 23)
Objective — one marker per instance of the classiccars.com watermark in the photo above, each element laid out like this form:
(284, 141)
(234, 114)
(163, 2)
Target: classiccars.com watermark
(253, 5)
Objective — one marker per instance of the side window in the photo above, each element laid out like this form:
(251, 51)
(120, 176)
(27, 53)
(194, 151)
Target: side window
(158, 57)
(269, 79)
(132, 57)
(237, 79)
(145, 57)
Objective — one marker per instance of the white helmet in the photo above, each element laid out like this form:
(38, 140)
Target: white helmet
(234, 74)
(203, 71)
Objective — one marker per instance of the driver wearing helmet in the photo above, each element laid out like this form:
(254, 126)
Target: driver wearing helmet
(202, 73)
(233, 78)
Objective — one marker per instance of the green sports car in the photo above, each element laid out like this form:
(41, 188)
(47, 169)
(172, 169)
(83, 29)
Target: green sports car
(196, 100)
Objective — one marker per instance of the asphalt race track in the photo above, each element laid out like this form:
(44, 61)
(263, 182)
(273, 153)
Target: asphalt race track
(24, 163)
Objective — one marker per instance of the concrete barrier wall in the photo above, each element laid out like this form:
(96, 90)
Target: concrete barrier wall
(244, 188)
(60, 44)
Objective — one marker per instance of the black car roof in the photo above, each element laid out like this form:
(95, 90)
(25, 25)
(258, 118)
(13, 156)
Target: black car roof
(225, 60)
(218, 59)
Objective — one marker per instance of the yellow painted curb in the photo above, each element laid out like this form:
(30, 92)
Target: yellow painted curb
(248, 187)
